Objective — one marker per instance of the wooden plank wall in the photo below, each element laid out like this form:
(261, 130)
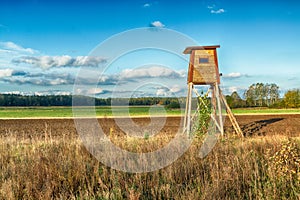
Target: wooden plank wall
(204, 73)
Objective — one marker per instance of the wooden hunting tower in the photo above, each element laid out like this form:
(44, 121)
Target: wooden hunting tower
(203, 67)
(204, 70)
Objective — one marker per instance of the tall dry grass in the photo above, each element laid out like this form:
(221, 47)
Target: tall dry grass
(42, 167)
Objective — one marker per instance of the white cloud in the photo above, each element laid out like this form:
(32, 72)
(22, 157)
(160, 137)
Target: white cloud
(14, 47)
(63, 93)
(5, 51)
(88, 61)
(40, 93)
(146, 5)
(215, 11)
(233, 89)
(175, 89)
(157, 24)
(233, 75)
(47, 62)
(221, 10)
(10, 50)
(169, 91)
(51, 92)
(228, 90)
(161, 92)
(41, 79)
(90, 91)
(131, 75)
(59, 81)
(6, 72)
(95, 91)
(14, 92)
(150, 72)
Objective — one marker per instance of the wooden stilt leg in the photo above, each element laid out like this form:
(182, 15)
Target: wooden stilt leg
(232, 118)
(188, 109)
(217, 98)
(214, 106)
(219, 108)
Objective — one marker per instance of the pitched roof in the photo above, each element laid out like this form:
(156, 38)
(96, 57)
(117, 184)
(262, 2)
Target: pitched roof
(189, 50)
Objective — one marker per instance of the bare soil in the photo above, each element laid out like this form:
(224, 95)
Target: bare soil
(251, 125)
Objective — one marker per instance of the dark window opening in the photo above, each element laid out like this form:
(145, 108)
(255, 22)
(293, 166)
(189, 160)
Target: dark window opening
(203, 60)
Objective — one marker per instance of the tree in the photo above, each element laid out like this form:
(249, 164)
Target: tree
(234, 100)
(261, 94)
(259, 87)
(274, 93)
(266, 94)
(229, 100)
(173, 105)
(292, 99)
(250, 95)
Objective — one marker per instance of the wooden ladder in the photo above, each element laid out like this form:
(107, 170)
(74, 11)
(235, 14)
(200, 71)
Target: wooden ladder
(232, 118)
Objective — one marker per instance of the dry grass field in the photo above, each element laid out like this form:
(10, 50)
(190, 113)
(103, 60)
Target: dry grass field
(44, 159)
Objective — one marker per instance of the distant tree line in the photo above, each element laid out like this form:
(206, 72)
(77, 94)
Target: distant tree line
(66, 100)
(49, 100)
(264, 95)
(257, 95)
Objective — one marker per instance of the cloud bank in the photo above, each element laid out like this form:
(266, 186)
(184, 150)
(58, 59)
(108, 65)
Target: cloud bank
(235, 75)
(28, 68)
(46, 62)
(56, 78)
(10, 46)
(150, 72)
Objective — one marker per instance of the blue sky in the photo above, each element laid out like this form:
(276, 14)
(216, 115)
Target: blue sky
(44, 44)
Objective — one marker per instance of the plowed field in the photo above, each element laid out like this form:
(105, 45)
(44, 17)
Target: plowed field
(251, 125)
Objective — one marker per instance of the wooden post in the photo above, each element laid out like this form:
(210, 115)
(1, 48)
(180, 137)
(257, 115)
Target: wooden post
(214, 106)
(219, 108)
(188, 109)
(232, 118)
(213, 100)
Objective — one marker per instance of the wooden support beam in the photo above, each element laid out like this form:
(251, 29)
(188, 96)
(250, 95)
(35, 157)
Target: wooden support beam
(217, 99)
(232, 118)
(219, 108)
(188, 110)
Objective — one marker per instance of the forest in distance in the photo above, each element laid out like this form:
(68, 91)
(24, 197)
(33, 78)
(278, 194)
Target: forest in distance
(257, 95)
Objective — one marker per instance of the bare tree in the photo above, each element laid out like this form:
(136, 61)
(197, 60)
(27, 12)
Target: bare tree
(261, 94)
(274, 93)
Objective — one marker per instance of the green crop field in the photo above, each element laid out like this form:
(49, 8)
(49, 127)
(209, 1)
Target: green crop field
(106, 111)
(265, 111)
(101, 111)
